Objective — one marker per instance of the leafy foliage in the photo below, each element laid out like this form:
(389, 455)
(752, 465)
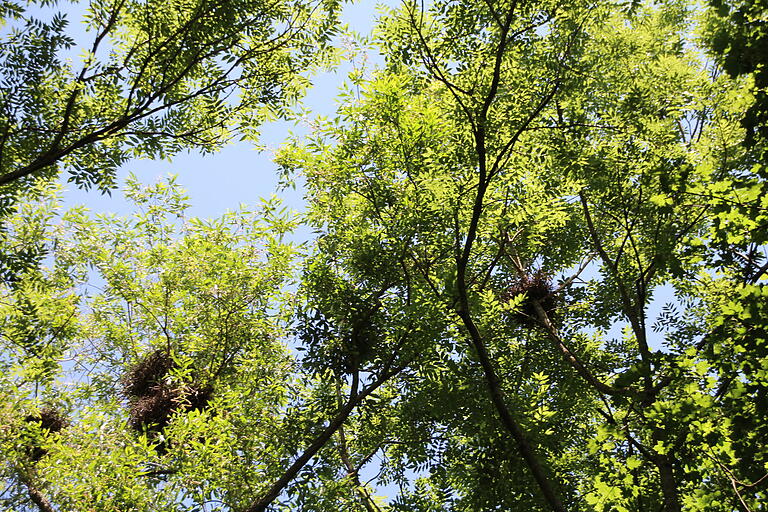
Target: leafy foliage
(158, 77)
(538, 283)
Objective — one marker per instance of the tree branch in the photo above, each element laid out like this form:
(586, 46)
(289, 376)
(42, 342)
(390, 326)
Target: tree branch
(574, 360)
(36, 496)
(355, 398)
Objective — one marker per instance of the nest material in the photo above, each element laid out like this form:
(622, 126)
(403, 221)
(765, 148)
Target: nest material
(154, 410)
(51, 421)
(536, 288)
(148, 374)
(153, 398)
(196, 399)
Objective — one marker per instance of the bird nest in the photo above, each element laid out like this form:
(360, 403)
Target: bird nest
(147, 374)
(51, 420)
(153, 411)
(536, 287)
(154, 397)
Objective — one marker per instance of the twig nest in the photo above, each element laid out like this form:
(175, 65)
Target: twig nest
(149, 373)
(51, 421)
(153, 397)
(536, 288)
(153, 410)
(197, 398)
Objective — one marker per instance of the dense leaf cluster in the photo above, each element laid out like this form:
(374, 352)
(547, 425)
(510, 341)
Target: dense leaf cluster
(538, 280)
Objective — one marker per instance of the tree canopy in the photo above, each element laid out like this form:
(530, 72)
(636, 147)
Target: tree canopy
(537, 281)
(153, 78)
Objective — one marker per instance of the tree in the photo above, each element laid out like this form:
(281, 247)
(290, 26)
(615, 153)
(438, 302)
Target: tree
(147, 369)
(167, 364)
(500, 213)
(157, 78)
(737, 33)
(542, 190)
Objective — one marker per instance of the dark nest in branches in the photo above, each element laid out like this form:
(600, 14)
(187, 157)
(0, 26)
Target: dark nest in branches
(147, 374)
(153, 411)
(536, 288)
(51, 421)
(153, 398)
